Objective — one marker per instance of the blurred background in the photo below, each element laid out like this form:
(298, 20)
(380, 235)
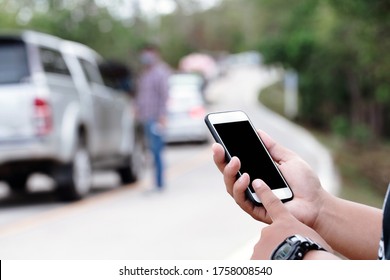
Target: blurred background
(313, 71)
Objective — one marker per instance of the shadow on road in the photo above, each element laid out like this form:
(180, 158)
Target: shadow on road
(47, 194)
(29, 199)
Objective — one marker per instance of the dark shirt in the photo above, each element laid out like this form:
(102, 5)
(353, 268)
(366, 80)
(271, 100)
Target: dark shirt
(384, 246)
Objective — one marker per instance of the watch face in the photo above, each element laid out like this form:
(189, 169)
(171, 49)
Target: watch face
(284, 252)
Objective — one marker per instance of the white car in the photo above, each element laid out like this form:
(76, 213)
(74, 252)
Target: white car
(186, 109)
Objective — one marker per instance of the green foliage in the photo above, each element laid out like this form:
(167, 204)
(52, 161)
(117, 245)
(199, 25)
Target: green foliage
(339, 48)
(340, 126)
(341, 53)
(361, 133)
(363, 171)
(228, 27)
(83, 22)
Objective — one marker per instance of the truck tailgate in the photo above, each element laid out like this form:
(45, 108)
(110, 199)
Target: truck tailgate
(16, 112)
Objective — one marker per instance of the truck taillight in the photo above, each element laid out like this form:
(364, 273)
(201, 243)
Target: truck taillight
(42, 116)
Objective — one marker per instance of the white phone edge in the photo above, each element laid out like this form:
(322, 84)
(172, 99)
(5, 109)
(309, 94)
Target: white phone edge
(234, 116)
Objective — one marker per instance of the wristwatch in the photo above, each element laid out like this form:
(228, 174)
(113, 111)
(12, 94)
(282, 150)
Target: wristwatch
(295, 247)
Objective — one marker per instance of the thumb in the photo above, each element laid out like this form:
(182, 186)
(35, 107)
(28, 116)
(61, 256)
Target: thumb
(274, 206)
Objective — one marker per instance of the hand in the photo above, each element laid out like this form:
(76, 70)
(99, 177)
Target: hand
(162, 121)
(284, 224)
(309, 196)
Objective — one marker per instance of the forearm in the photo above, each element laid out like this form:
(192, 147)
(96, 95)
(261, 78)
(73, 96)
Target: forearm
(352, 229)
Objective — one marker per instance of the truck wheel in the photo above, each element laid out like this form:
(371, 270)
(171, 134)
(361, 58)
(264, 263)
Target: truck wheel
(134, 165)
(18, 182)
(74, 179)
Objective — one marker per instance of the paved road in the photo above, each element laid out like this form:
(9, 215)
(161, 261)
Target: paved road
(193, 219)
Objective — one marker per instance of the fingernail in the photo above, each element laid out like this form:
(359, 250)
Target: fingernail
(241, 178)
(231, 160)
(256, 184)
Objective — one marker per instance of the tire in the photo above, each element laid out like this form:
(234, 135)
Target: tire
(74, 179)
(134, 164)
(18, 182)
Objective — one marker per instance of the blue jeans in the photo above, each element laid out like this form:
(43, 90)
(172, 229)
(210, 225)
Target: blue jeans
(155, 141)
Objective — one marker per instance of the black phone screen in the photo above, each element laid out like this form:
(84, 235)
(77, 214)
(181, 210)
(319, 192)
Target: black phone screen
(241, 141)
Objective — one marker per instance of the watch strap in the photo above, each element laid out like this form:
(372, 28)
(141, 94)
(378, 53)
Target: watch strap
(295, 247)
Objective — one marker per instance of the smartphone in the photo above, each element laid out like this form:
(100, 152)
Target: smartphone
(236, 133)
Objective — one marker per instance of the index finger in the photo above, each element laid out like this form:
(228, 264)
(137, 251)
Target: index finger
(274, 206)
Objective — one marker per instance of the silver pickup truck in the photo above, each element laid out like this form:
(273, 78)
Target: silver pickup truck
(59, 116)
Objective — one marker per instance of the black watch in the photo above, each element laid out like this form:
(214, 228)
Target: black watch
(295, 248)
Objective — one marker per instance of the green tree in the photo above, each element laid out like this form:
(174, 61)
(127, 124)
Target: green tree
(340, 52)
(82, 21)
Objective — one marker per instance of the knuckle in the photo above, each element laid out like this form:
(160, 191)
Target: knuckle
(272, 202)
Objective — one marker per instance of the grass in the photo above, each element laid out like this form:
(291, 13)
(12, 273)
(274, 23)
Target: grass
(273, 98)
(360, 169)
(364, 170)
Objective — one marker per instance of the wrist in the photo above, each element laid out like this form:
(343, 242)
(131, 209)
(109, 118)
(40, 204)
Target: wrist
(320, 255)
(327, 204)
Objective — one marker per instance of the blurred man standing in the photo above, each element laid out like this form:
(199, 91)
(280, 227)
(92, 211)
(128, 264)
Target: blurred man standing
(151, 99)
